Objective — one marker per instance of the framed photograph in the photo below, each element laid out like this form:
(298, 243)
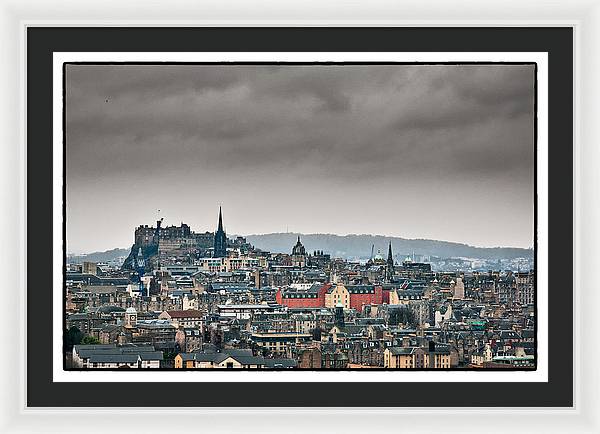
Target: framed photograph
(181, 299)
(243, 145)
(365, 222)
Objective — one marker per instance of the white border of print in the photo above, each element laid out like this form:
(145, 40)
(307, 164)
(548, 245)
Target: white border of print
(539, 375)
(582, 15)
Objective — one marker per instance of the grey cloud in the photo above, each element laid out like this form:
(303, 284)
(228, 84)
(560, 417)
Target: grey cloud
(330, 132)
(146, 81)
(469, 94)
(511, 83)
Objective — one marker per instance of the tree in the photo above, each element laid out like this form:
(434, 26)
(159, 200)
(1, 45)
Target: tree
(72, 337)
(89, 340)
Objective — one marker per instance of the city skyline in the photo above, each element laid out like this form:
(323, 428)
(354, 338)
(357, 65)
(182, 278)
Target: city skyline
(390, 150)
(192, 301)
(288, 232)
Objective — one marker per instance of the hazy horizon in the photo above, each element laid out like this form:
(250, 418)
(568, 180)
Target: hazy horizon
(441, 152)
(311, 234)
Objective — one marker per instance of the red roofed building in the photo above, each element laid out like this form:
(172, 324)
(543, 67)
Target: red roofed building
(363, 295)
(313, 297)
(327, 295)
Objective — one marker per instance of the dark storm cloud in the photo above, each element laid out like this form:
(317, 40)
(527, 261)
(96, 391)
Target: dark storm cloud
(335, 131)
(471, 95)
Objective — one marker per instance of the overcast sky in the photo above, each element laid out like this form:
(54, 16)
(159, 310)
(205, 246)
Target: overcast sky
(428, 151)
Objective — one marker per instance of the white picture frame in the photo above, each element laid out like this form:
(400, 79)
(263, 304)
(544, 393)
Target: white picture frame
(583, 16)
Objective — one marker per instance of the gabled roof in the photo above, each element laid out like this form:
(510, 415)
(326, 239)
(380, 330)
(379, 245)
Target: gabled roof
(154, 355)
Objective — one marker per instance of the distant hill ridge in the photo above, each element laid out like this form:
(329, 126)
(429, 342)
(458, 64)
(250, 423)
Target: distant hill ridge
(359, 246)
(351, 246)
(106, 256)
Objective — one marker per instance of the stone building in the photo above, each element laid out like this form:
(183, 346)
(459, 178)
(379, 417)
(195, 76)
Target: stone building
(298, 254)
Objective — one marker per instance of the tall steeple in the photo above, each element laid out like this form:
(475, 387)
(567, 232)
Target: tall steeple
(220, 244)
(389, 269)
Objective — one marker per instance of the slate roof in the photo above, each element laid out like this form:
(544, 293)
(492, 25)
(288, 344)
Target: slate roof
(361, 289)
(209, 357)
(110, 327)
(154, 355)
(239, 352)
(299, 294)
(229, 287)
(249, 360)
(137, 349)
(110, 353)
(94, 347)
(114, 358)
(407, 293)
(369, 321)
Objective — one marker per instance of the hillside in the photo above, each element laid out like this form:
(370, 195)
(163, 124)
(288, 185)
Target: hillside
(359, 246)
(109, 255)
(351, 246)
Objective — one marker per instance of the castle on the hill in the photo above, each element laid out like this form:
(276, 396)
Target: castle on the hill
(169, 239)
(179, 243)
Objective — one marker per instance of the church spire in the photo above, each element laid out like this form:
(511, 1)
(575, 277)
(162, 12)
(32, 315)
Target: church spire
(220, 244)
(220, 228)
(389, 270)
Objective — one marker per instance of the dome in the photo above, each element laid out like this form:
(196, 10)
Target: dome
(299, 249)
(130, 310)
